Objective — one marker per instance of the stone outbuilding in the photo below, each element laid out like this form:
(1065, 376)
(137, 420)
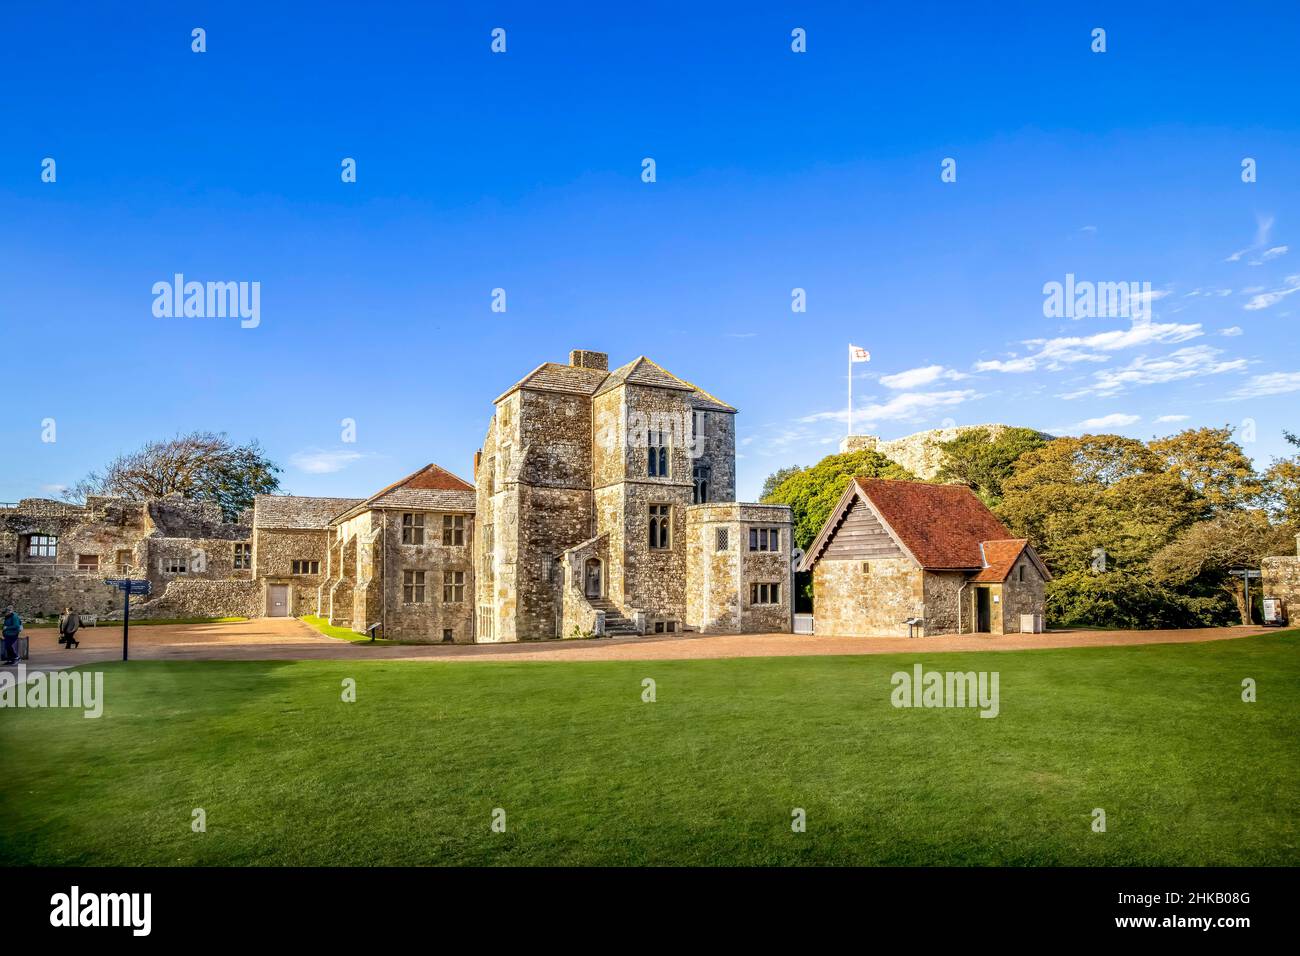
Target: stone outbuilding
(899, 551)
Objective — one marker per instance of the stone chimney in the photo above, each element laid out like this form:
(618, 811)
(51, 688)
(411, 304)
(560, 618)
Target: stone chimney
(581, 358)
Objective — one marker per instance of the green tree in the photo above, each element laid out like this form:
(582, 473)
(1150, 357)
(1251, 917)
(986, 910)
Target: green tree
(1282, 484)
(983, 462)
(202, 466)
(812, 493)
(771, 482)
(1200, 557)
(1209, 462)
(1099, 501)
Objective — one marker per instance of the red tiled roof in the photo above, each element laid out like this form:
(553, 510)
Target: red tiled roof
(1001, 557)
(942, 525)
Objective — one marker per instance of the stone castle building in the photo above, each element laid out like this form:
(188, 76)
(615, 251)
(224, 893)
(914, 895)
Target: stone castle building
(919, 453)
(603, 503)
(606, 504)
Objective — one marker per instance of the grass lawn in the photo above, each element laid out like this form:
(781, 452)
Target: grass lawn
(339, 633)
(287, 773)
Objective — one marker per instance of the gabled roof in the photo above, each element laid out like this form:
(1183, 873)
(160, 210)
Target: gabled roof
(573, 380)
(554, 377)
(1001, 557)
(941, 527)
(432, 488)
(642, 371)
(295, 511)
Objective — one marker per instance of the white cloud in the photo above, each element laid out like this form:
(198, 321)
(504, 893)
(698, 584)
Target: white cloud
(1263, 229)
(1231, 331)
(908, 406)
(317, 462)
(1269, 254)
(1192, 362)
(1114, 420)
(1264, 299)
(1167, 419)
(54, 489)
(1274, 383)
(1055, 354)
(916, 377)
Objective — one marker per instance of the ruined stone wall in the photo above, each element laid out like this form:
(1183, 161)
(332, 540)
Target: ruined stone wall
(211, 559)
(39, 594)
(918, 453)
(183, 598)
(849, 602)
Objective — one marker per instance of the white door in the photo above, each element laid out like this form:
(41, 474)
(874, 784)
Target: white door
(277, 600)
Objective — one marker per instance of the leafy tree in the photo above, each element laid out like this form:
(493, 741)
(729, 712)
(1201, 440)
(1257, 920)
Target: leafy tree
(1099, 501)
(1124, 599)
(771, 482)
(1282, 484)
(202, 466)
(982, 461)
(812, 493)
(1209, 462)
(1201, 556)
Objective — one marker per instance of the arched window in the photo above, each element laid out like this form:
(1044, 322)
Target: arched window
(700, 493)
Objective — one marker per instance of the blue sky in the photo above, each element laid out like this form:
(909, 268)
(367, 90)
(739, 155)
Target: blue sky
(775, 171)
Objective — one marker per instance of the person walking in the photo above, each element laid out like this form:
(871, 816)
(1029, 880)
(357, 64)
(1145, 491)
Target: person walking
(69, 624)
(10, 628)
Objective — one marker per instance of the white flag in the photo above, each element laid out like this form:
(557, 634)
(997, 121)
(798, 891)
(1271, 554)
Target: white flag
(857, 354)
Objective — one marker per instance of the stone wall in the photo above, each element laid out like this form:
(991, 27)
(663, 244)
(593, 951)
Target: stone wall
(1022, 597)
(941, 596)
(200, 598)
(853, 602)
(918, 453)
(275, 550)
(1281, 579)
(424, 622)
(718, 579)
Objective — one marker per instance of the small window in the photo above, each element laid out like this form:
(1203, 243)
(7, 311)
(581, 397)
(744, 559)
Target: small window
(447, 636)
(723, 542)
(243, 556)
(305, 567)
(87, 562)
(659, 627)
(412, 529)
(672, 627)
(42, 546)
(660, 527)
(124, 558)
(487, 551)
(764, 539)
(413, 587)
(658, 457)
(765, 594)
(453, 529)
(1020, 572)
(453, 587)
(866, 567)
(175, 566)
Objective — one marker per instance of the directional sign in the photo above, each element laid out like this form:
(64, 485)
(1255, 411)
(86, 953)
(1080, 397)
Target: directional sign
(128, 585)
(1245, 574)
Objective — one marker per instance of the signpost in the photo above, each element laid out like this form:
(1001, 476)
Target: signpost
(128, 587)
(1245, 574)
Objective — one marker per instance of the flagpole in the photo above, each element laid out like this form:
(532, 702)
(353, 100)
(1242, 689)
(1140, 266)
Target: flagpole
(850, 392)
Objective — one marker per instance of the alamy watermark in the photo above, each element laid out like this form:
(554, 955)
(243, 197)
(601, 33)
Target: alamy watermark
(1084, 299)
(923, 688)
(80, 690)
(208, 300)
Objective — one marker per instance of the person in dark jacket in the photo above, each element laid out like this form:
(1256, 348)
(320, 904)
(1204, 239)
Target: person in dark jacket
(10, 628)
(69, 624)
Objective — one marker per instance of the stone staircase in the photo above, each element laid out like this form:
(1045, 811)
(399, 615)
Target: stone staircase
(616, 625)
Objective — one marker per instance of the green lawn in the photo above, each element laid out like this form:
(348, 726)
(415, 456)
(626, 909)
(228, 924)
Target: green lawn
(339, 633)
(289, 774)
